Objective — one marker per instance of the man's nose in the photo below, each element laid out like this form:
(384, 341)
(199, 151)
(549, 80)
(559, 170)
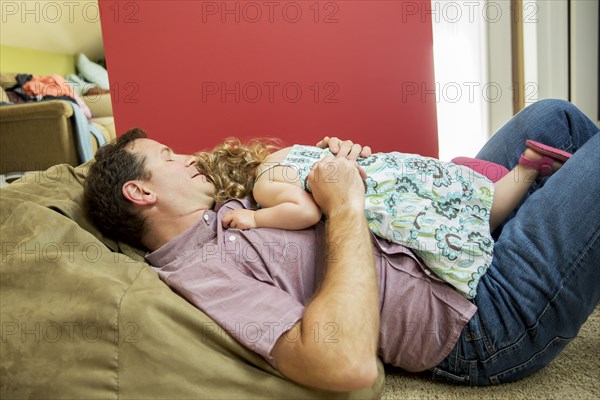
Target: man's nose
(189, 160)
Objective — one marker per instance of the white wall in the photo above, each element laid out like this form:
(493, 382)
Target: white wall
(584, 56)
(460, 48)
(61, 26)
(551, 49)
(499, 59)
(547, 47)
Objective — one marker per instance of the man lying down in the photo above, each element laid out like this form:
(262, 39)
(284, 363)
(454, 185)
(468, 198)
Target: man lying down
(321, 304)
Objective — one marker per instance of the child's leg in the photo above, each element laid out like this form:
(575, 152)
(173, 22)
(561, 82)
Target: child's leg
(510, 189)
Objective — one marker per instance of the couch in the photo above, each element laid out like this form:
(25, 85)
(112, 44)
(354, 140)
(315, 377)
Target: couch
(35, 136)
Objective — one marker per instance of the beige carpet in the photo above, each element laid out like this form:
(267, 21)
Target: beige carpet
(574, 374)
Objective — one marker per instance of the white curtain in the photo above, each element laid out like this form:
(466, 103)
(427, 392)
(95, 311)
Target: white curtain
(461, 75)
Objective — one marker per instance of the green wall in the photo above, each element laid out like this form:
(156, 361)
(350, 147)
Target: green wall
(35, 62)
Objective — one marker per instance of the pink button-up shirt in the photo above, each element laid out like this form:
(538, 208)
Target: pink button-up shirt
(255, 284)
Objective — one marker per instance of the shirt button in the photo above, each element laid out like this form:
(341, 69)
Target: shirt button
(428, 272)
(231, 238)
(205, 216)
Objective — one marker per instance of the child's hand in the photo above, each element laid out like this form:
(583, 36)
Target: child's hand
(239, 219)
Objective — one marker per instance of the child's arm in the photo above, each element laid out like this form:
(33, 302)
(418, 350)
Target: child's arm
(285, 206)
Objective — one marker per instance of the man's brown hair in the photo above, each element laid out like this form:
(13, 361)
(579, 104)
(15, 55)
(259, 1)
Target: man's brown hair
(114, 215)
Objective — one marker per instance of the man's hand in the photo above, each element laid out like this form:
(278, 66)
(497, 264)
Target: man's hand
(346, 149)
(336, 184)
(239, 219)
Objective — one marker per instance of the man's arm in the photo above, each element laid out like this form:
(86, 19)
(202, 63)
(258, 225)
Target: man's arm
(347, 301)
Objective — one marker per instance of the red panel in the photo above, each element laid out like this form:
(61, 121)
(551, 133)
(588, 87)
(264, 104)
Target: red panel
(194, 72)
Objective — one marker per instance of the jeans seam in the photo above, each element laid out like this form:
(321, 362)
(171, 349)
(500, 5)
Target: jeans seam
(497, 378)
(571, 127)
(585, 250)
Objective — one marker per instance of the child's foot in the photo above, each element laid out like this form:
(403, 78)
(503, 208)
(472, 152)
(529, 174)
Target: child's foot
(535, 162)
(542, 159)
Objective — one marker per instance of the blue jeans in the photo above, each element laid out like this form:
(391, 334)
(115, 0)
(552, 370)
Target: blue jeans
(544, 281)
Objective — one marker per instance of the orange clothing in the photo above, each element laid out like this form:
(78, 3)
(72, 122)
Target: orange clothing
(48, 85)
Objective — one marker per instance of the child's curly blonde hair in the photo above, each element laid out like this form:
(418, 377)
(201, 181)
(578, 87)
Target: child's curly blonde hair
(231, 165)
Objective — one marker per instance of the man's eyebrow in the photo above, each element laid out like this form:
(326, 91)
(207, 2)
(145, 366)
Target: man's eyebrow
(166, 150)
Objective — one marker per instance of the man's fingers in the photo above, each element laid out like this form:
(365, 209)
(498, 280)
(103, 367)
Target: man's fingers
(365, 152)
(344, 148)
(355, 152)
(323, 143)
(362, 173)
(334, 145)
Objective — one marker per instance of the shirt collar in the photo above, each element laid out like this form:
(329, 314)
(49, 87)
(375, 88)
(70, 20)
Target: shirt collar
(199, 233)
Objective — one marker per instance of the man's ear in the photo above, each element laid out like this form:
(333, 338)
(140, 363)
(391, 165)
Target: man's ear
(138, 193)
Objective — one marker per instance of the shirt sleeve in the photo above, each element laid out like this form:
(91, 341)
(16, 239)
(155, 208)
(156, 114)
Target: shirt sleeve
(255, 313)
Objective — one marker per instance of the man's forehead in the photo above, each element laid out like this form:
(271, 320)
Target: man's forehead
(145, 145)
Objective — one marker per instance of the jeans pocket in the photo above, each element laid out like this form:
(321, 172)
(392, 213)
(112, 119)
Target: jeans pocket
(481, 347)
